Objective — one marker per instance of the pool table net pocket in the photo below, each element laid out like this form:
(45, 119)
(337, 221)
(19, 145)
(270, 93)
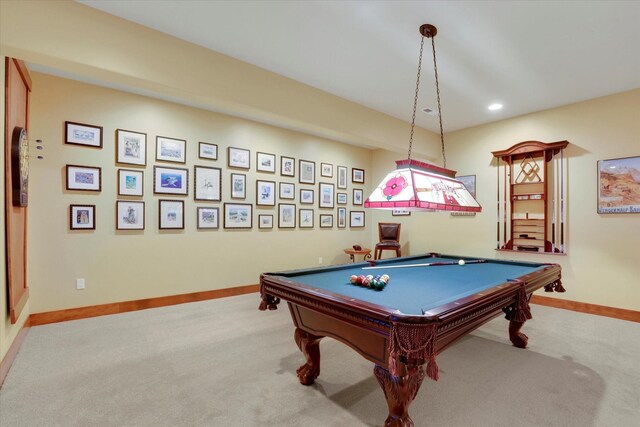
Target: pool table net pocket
(413, 343)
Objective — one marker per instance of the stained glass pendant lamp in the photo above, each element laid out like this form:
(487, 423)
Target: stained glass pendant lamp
(420, 186)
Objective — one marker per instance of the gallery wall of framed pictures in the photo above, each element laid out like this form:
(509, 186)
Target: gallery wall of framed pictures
(243, 195)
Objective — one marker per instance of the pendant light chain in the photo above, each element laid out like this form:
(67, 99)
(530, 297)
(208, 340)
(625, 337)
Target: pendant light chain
(415, 99)
(435, 67)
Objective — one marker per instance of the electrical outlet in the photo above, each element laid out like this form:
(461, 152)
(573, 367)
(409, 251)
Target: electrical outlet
(320, 261)
(79, 284)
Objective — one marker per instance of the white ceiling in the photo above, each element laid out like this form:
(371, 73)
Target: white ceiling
(527, 55)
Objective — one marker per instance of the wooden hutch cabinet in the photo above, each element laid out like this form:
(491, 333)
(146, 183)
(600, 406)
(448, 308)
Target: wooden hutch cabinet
(531, 205)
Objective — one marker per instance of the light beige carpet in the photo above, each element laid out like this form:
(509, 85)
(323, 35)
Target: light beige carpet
(224, 363)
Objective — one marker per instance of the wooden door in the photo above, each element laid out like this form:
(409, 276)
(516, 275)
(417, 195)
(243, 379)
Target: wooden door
(17, 88)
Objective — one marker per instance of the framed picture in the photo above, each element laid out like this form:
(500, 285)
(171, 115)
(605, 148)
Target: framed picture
(287, 166)
(208, 218)
(357, 197)
(326, 221)
(342, 177)
(357, 176)
(342, 217)
(171, 149)
(129, 215)
(307, 172)
(287, 190)
(207, 151)
(84, 178)
(170, 180)
(342, 198)
(171, 214)
(238, 215)
(306, 196)
(326, 169)
(326, 196)
(130, 182)
(265, 193)
(82, 217)
(238, 186)
(400, 212)
(207, 183)
(306, 218)
(266, 162)
(131, 147)
(238, 158)
(619, 185)
(82, 134)
(286, 215)
(469, 182)
(265, 221)
(356, 219)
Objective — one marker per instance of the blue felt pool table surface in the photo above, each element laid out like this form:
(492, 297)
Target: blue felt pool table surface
(416, 290)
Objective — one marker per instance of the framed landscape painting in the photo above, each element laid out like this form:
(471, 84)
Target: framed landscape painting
(208, 151)
(82, 134)
(131, 147)
(238, 158)
(266, 162)
(171, 149)
(84, 178)
(326, 221)
(170, 180)
(619, 185)
(238, 215)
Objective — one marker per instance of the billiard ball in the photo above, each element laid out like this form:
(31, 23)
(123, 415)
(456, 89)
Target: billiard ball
(461, 262)
(360, 279)
(366, 282)
(353, 279)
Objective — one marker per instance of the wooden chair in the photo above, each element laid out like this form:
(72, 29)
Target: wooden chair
(389, 236)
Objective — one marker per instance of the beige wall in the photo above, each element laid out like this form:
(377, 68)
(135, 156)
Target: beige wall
(602, 265)
(128, 265)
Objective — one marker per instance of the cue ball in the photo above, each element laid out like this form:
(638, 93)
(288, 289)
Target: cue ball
(461, 262)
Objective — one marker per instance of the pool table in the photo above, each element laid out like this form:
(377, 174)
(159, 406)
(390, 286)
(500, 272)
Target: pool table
(430, 301)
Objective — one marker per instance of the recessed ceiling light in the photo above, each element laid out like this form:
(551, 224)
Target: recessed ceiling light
(495, 107)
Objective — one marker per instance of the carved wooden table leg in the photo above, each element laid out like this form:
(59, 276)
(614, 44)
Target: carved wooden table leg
(309, 345)
(400, 392)
(517, 338)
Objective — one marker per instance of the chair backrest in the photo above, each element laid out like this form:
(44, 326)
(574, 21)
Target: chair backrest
(389, 231)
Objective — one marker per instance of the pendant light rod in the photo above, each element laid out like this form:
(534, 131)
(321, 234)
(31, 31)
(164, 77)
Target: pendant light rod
(428, 31)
